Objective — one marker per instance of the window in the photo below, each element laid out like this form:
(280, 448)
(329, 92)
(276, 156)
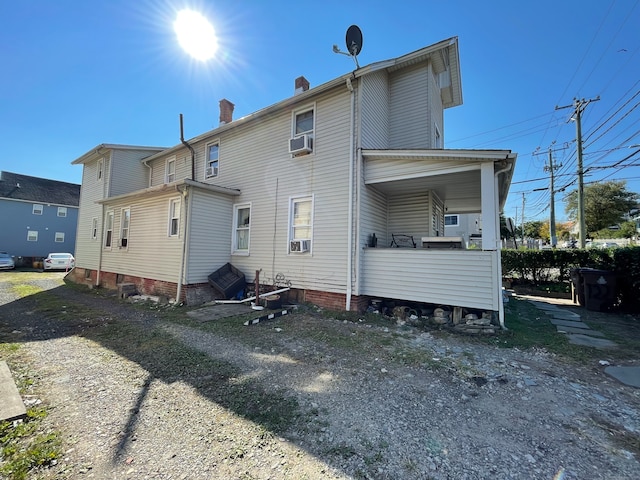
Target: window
(37, 209)
(211, 167)
(108, 228)
(124, 227)
(438, 138)
(451, 221)
(32, 236)
(59, 237)
(62, 211)
(170, 170)
(303, 122)
(242, 226)
(94, 228)
(174, 217)
(300, 224)
(100, 167)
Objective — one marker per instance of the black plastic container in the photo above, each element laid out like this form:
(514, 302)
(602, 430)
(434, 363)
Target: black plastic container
(228, 280)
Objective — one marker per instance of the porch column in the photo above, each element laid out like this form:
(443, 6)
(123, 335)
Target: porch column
(489, 207)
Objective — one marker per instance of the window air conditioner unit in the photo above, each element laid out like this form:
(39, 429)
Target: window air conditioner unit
(212, 172)
(301, 144)
(299, 246)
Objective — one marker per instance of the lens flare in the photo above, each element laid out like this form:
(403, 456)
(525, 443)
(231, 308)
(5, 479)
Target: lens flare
(196, 35)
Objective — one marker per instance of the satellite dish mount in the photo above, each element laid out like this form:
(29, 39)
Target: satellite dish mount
(354, 44)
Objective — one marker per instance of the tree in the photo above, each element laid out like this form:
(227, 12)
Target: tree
(605, 204)
(532, 229)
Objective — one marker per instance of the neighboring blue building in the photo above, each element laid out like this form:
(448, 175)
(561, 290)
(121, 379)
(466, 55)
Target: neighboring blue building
(37, 216)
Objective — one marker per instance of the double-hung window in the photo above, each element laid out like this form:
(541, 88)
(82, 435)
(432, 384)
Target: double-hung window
(108, 229)
(213, 160)
(32, 236)
(37, 209)
(303, 122)
(300, 224)
(174, 217)
(94, 228)
(242, 228)
(99, 169)
(302, 131)
(59, 238)
(170, 170)
(62, 211)
(125, 219)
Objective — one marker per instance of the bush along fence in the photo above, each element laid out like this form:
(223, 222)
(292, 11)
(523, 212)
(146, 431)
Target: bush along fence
(548, 266)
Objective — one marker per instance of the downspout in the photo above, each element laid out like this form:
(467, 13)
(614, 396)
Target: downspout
(350, 217)
(183, 255)
(499, 266)
(193, 153)
(101, 248)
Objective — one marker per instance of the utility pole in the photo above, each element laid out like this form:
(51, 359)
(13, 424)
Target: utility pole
(522, 219)
(579, 106)
(552, 206)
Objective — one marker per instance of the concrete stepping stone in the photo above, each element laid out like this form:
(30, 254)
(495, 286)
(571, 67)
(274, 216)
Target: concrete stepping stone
(581, 331)
(586, 340)
(564, 315)
(627, 375)
(569, 323)
(11, 404)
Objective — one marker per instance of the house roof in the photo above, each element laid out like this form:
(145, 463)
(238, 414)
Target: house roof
(99, 150)
(443, 55)
(15, 186)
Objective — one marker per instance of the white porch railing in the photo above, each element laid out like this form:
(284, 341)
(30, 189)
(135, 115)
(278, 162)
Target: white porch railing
(463, 278)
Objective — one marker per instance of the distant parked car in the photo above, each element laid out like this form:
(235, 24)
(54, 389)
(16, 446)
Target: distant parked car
(59, 261)
(6, 261)
(608, 245)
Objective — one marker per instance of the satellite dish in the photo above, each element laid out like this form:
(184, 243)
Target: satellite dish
(354, 44)
(354, 40)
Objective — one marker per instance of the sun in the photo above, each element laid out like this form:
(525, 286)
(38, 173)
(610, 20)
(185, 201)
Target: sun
(195, 35)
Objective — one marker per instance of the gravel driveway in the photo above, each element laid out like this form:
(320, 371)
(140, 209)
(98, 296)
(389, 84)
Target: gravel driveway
(139, 396)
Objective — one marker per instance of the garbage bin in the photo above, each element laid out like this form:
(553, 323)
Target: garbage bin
(599, 288)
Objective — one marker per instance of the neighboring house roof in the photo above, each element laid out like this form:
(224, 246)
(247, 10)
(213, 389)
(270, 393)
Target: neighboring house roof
(98, 150)
(15, 186)
(443, 55)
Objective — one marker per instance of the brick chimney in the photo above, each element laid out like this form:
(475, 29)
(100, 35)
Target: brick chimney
(226, 111)
(302, 85)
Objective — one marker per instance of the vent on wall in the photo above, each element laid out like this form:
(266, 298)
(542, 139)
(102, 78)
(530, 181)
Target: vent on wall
(299, 246)
(301, 144)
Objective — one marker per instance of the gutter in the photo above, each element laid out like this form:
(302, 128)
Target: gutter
(193, 153)
(499, 262)
(183, 256)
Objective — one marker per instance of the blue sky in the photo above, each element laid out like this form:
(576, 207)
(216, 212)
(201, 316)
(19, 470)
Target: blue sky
(80, 73)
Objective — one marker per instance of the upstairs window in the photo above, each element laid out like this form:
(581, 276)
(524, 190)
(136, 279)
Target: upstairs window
(170, 170)
(303, 122)
(94, 228)
(212, 164)
(62, 211)
(100, 168)
(37, 209)
(59, 237)
(242, 228)
(174, 217)
(32, 236)
(125, 219)
(437, 143)
(108, 229)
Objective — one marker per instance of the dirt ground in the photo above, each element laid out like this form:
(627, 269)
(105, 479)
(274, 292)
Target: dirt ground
(146, 392)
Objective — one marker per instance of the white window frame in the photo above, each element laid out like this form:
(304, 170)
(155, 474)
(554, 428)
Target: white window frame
(100, 170)
(437, 142)
(59, 237)
(125, 227)
(292, 224)
(108, 229)
(236, 229)
(295, 132)
(213, 164)
(169, 172)
(62, 211)
(94, 228)
(457, 217)
(174, 216)
(32, 235)
(38, 209)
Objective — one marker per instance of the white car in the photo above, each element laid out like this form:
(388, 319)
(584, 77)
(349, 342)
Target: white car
(6, 261)
(59, 261)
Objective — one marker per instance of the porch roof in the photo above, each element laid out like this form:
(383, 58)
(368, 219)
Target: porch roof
(171, 186)
(454, 175)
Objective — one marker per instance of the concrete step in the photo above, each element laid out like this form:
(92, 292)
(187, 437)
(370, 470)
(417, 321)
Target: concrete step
(11, 405)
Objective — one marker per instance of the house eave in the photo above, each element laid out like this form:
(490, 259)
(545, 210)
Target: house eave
(167, 187)
(98, 151)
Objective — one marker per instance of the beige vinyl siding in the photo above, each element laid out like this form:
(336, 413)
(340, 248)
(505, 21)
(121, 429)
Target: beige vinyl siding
(255, 159)
(436, 110)
(409, 215)
(209, 234)
(409, 108)
(374, 100)
(150, 253)
(464, 278)
(127, 173)
(183, 167)
(87, 250)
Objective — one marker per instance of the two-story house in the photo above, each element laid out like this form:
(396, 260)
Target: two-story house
(298, 190)
(39, 216)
